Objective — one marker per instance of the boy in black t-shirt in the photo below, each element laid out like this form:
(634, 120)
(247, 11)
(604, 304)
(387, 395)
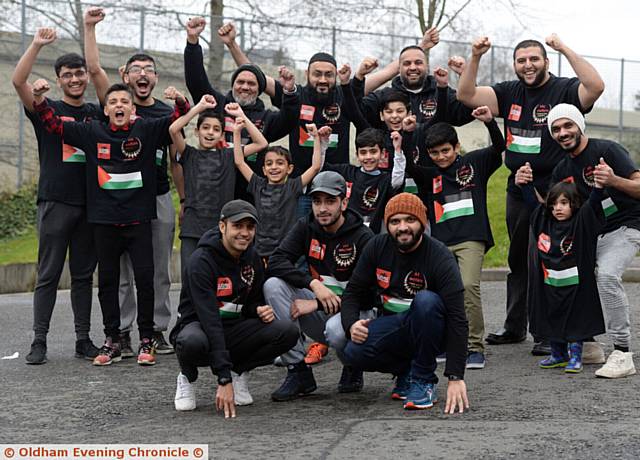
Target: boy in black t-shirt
(209, 173)
(121, 189)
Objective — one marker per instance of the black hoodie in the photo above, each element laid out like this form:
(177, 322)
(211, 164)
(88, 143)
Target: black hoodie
(328, 254)
(215, 287)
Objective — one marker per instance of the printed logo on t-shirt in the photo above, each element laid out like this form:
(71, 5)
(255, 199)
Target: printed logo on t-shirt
(514, 112)
(247, 274)
(259, 123)
(317, 250)
(131, 148)
(566, 244)
(588, 177)
(229, 123)
(383, 277)
(384, 159)
(544, 242)
(370, 197)
(331, 113)
(428, 107)
(344, 255)
(464, 176)
(437, 184)
(414, 282)
(524, 140)
(225, 287)
(456, 205)
(104, 151)
(349, 186)
(306, 139)
(307, 112)
(540, 113)
(71, 154)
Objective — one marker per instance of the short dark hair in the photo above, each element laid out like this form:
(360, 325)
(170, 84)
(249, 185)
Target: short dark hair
(370, 137)
(279, 150)
(528, 44)
(210, 113)
(567, 189)
(71, 60)
(393, 95)
(441, 133)
(118, 87)
(411, 47)
(139, 57)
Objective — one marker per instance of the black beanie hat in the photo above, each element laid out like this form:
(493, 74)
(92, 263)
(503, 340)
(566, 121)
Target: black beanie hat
(323, 57)
(254, 69)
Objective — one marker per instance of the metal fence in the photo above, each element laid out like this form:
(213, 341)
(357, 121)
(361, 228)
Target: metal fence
(160, 31)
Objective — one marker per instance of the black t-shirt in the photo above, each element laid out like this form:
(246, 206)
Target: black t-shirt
(525, 111)
(157, 110)
(209, 181)
(62, 167)
(619, 208)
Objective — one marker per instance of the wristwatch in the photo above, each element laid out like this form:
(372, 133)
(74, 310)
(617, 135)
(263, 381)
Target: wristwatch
(222, 381)
(455, 378)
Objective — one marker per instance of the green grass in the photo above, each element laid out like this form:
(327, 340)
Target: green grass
(20, 249)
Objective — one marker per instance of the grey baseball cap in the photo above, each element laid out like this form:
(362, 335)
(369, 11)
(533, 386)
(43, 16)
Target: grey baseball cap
(329, 182)
(236, 210)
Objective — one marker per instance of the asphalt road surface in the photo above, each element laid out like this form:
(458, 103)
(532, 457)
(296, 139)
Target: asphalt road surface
(517, 410)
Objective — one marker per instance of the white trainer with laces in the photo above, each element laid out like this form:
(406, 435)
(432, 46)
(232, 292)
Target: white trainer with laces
(592, 353)
(619, 364)
(185, 394)
(241, 389)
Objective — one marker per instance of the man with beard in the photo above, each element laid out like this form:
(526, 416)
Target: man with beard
(330, 239)
(414, 282)
(247, 83)
(62, 220)
(609, 163)
(524, 105)
(140, 74)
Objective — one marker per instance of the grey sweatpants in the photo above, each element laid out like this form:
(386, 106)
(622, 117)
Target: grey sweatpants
(162, 232)
(61, 227)
(616, 250)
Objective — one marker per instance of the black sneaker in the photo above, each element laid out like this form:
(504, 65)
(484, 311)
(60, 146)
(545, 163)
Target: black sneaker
(299, 381)
(125, 345)
(109, 353)
(351, 380)
(161, 345)
(38, 353)
(542, 348)
(86, 349)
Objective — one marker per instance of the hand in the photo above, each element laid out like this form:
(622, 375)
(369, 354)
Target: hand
(171, 93)
(312, 129)
(287, 78)
(121, 70)
(524, 175)
(93, 16)
(360, 331)
(482, 113)
(301, 307)
(227, 33)
(265, 313)
(328, 299)
(225, 400)
(457, 64)
(456, 397)
(344, 73)
(324, 134)
(396, 139)
(367, 66)
(234, 109)
(603, 174)
(555, 43)
(39, 87)
(195, 26)
(207, 102)
(409, 123)
(480, 46)
(240, 124)
(44, 36)
(430, 39)
(442, 77)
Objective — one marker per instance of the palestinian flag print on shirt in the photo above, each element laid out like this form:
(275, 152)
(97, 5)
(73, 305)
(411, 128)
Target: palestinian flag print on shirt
(337, 287)
(306, 140)
(609, 207)
(71, 154)
(560, 278)
(114, 181)
(457, 205)
(395, 304)
(523, 140)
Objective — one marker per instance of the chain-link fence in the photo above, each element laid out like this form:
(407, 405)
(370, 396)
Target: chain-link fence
(128, 28)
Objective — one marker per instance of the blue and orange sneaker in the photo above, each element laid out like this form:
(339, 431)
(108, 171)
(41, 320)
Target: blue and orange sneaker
(401, 390)
(422, 395)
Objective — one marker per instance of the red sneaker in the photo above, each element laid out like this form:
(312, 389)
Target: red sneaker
(315, 353)
(146, 353)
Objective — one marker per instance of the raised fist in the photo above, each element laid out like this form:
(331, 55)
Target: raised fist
(554, 42)
(442, 77)
(367, 66)
(396, 139)
(39, 87)
(480, 46)
(483, 114)
(208, 102)
(324, 134)
(195, 26)
(430, 38)
(457, 64)
(227, 33)
(94, 15)
(344, 73)
(409, 123)
(287, 78)
(234, 109)
(312, 129)
(240, 124)
(44, 36)
(172, 93)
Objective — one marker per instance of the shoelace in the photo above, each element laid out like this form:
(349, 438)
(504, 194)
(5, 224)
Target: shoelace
(184, 390)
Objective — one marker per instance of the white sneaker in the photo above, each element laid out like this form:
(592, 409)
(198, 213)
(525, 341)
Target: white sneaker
(592, 353)
(619, 364)
(185, 394)
(241, 389)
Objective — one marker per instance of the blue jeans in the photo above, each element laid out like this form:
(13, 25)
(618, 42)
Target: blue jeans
(411, 339)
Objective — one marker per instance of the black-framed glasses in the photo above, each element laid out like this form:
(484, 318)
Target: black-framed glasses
(136, 69)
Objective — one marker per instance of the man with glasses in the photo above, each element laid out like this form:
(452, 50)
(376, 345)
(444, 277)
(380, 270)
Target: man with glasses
(62, 220)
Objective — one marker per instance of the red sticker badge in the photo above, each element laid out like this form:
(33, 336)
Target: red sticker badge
(316, 250)
(225, 287)
(384, 159)
(544, 242)
(104, 151)
(307, 112)
(383, 277)
(515, 112)
(437, 184)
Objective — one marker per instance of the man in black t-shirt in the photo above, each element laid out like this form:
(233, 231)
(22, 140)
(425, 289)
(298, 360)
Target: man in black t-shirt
(524, 105)
(608, 163)
(62, 220)
(140, 74)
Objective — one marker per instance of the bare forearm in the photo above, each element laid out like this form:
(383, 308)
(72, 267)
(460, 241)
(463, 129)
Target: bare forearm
(379, 78)
(590, 79)
(467, 82)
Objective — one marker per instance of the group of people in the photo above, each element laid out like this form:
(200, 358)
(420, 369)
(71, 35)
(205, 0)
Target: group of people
(380, 261)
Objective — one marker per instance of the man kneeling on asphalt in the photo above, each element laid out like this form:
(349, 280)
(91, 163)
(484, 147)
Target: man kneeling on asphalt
(223, 322)
(417, 282)
(331, 240)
